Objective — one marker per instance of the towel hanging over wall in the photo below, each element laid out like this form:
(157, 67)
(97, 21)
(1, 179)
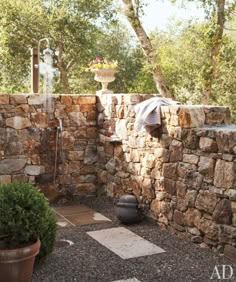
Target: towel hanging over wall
(148, 113)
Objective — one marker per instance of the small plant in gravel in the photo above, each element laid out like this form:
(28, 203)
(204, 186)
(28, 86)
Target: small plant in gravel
(25, 217)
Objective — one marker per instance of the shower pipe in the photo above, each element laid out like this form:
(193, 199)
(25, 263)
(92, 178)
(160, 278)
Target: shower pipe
(59, 130)
(48, 45)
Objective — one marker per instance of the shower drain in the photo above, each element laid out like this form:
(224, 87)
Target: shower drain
(63, 243)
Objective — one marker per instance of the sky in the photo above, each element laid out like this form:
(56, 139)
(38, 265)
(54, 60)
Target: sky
(159, 13)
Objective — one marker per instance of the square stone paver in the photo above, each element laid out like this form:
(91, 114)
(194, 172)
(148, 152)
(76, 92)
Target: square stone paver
(69, 210)
(125, 243)
(78, 215)
(128, 280)
(87, 218)
(64, 223)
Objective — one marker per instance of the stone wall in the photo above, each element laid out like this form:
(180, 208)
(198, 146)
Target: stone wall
(28, 135)
(184, 176)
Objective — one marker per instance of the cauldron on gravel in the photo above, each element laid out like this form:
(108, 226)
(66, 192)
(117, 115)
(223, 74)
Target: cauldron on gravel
(127, 210)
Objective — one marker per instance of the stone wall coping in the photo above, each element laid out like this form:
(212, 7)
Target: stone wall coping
(182, 106)
(54, 94)
(123, 94)
(76, 95)
(132, 94)
(219, 128)
(197, 107)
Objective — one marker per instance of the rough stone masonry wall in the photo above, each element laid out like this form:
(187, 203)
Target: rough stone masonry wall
(185, 177)
(28, 142)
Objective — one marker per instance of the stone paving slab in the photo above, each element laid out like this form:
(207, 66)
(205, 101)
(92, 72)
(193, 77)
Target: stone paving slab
(88, 261)
(64, 223)
(78, 215)
(128, 280)
(87, 218)
(125, 243)
(76, 209)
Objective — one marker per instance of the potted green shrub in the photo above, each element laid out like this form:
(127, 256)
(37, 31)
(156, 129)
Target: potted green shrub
(27, 229)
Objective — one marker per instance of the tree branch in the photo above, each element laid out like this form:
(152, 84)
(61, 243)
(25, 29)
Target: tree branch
(136, 5)
(230, 29)
(70, 64)
(131, 13)
(215, 49)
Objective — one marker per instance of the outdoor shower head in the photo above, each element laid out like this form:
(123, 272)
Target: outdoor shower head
(44, 39)
(48, 56)
(47, 53)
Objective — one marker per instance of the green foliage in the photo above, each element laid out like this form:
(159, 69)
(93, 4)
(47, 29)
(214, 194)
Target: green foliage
(80, 31)
(225, 84)
(72, 27)
(25, 216)
(143, 81)
(183, 53)
(116, 44)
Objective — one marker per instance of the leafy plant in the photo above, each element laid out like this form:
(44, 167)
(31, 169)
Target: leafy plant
(73, 28)
(102, 63)
(25, 216)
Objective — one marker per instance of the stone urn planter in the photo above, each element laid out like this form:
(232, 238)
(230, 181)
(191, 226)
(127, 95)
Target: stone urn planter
(105, 76)
(127, 210)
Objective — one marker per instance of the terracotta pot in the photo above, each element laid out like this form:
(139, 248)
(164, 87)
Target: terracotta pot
(17, 265)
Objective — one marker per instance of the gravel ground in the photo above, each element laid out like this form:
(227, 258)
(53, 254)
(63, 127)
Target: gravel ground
(88, 261)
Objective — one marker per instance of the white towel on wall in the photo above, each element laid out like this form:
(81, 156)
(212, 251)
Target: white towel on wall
(148, 113)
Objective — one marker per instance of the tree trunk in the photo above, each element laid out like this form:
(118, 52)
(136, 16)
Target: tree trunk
(63, 74)
(147, 47)
(64, 81)
(215, 50)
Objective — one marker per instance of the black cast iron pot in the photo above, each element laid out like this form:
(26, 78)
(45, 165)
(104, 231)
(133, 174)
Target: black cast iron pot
(127, 210)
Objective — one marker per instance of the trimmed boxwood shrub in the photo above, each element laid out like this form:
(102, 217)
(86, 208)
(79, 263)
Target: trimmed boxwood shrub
(25, 215)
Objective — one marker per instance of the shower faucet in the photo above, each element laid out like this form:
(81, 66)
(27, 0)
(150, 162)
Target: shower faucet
(60, 127)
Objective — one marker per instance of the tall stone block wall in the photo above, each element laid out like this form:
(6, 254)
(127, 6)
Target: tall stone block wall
(29, 139)
(183, 175)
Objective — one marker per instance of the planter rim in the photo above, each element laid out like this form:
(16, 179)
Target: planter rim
(19, 254)
(104, 69)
